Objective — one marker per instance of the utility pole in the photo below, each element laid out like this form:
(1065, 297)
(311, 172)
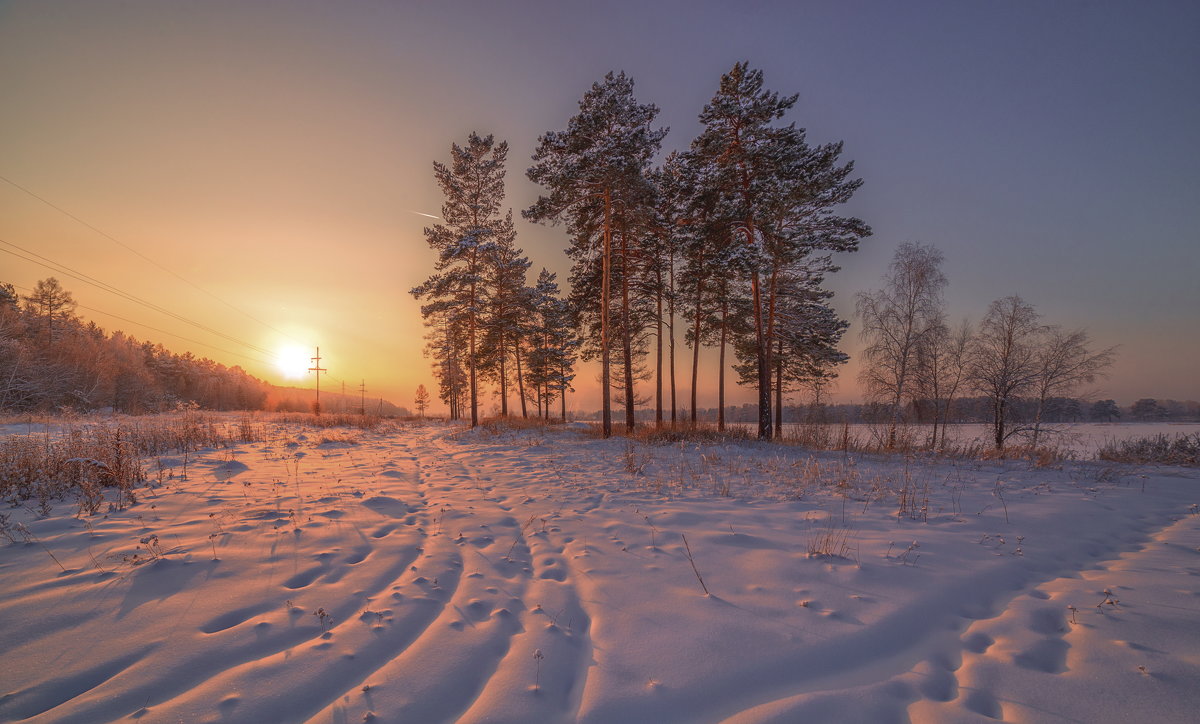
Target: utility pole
(342, 401)
(318, 369)
(362, 398)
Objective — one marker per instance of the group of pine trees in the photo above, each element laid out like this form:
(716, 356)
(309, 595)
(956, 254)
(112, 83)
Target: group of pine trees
(486, 324)
(730, 239)
(51, 360)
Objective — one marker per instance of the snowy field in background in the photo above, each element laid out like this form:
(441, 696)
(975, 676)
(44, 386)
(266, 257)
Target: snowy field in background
(1080, 439)
(430, 574)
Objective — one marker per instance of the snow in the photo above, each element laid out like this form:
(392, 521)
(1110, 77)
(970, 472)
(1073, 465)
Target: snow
(429, 573)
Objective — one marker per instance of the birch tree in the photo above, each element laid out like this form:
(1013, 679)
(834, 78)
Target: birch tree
(895, 322)
(1003, 361)
(1064, 360)
(941, 367)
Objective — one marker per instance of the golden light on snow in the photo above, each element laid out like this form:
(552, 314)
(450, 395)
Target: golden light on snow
(293, 361)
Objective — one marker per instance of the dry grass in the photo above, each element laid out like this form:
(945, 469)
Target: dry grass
(504, 424)
(85, 459)
(1182, 449)
(1042, 456)
(830, 540)
(327, 420)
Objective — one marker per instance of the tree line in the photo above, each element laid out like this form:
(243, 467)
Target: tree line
(964, 410)
(725, 244)
(51, 360)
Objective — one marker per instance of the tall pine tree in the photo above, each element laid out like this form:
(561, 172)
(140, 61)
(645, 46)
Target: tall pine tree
(473, 184)
(595, 172)
(777, 194)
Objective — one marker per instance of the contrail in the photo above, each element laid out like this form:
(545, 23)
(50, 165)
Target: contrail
(418, 213)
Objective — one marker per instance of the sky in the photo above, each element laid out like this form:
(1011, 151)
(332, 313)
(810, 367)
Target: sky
(265, 168)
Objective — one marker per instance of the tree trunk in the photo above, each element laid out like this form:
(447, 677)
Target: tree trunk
(721, 360)
(562, 392)
(779, 391)
(671, 331)
(503, 380)
(471, 364)
(764, 372)
(658, 352)
(1037, 419)
(762, 344)
(626, 333)
(696, 349)
(520, 378)
(998, 409)
(453, 388)
(605, 391)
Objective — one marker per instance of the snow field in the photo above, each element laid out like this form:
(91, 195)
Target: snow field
(432, 574)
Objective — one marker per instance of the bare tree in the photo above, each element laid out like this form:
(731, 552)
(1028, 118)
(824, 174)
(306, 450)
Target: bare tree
(1065, 361)
(895, 322)
(1004, 359)
(940, 371)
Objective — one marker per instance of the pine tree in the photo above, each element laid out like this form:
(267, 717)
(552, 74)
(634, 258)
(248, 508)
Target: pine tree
(554, 345)
(508, 310)
(51, 302)
(8, 296)
(445, 342)
(421, 400)
(595, 172)
(473, 184)
(775, 193)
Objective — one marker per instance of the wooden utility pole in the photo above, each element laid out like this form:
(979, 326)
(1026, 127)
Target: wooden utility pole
(318, 369)
(362, 398)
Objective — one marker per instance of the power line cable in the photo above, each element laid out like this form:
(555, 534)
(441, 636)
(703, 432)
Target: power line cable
(104, 286)
(132, 250)
(162, 331)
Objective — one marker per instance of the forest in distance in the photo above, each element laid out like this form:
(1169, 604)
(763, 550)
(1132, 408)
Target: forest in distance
(54, 361)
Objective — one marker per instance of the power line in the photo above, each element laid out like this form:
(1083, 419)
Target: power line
(104, 286)
(274, 358)
(113, 290)
(132, 250)
(161, 331)
(318, 369)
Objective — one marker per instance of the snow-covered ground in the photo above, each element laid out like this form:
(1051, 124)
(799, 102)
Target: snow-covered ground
(431, 574)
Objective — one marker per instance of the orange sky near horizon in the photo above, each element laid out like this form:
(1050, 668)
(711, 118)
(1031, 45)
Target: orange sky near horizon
(276, 160)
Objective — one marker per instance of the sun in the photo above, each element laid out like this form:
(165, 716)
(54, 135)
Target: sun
(293, 361)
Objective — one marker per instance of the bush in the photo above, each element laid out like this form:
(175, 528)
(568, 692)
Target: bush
(1182, 449)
